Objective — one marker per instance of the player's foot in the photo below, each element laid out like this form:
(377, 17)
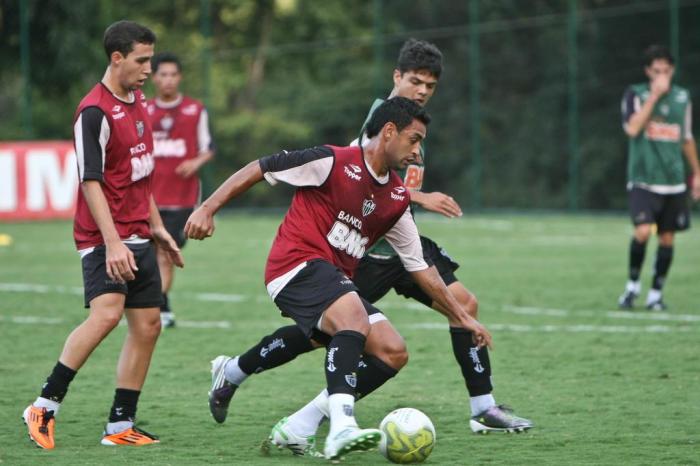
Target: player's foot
(221, 389)
(282, 436)
(40, 423)
(657, 305)
(167, 319)
(626, 300)
(131, 436)
(499, 419)
(350, 439)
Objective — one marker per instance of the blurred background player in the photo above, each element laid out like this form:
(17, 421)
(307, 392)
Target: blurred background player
(657, 117)
(416, 76)
(115, 222)
(182, 145)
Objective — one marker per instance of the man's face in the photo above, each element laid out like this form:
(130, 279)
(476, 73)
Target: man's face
(659, 68)
(167, 79)
(134, 69)
(415, 85)
(403, 147)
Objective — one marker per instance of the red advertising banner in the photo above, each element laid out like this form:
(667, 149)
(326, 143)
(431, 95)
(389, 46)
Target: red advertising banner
(38, 180)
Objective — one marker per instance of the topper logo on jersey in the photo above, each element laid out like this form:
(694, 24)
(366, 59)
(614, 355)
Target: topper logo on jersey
(117, 112)
(397, 196)
(346, 238)
(352, 174)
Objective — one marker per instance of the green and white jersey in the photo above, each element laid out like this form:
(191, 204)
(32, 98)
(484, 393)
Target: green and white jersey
(412, 177)
(655, 157)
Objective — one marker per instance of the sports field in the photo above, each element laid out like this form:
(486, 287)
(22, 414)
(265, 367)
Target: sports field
(602, 386)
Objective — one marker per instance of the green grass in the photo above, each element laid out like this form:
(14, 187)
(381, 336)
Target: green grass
(603, 387)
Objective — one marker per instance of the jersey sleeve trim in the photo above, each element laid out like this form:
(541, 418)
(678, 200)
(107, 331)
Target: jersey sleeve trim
(630, 105)
(405, 240)
(91, 133)
(306, 167)
(689, 122)
(204, 140)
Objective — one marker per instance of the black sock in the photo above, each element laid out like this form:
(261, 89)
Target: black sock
(285, 344)
(664, 257)
(56, 385)
(637, 252)
(342, 360)
(372, 373)
(124, 406)
(165, 307)
(474, 362)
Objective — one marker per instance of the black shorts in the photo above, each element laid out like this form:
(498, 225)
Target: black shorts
(174, 221)
(375, 277)
(143, 291)
(670, 212)
(312, 291)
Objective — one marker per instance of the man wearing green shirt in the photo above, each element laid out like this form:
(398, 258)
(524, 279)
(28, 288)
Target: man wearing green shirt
(657, 119)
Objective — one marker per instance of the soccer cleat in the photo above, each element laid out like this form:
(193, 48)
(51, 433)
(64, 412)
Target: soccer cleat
(499, 419)
(626, 300)
(221, 389)
(351, 439)
(167, 319)
(281, 436)
(131, 436)
(40, 423)
(658, 305)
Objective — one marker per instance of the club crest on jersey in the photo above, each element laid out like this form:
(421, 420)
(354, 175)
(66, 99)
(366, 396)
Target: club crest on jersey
(368, 207)
(140, 127)
(166, 122)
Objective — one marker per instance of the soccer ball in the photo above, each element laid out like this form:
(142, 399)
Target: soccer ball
(409, 436)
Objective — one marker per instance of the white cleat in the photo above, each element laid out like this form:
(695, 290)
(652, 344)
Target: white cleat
(282, 437)
(351, 439)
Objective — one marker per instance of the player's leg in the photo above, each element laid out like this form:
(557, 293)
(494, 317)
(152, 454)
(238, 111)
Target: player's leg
(174, 221)
(105, 299)
(642, 205)
(143, 319)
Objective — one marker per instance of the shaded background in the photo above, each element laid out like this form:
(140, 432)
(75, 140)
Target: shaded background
(526, 115)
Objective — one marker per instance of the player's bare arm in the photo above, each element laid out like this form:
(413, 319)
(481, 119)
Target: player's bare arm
(200, 225)
(690, 151)
(437, 202)
(162, 237)
(192, 166)
(119, 258)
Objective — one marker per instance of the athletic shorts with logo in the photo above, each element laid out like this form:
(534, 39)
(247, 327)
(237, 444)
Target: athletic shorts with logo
(374, 277)
(670, 212)
(142, 291)
(312, 291)
(174, 221)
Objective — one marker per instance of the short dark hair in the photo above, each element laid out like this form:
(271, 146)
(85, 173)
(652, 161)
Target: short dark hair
(165, 57)
(416, 55)
(657, 52)
(121, 36)
(398, 110)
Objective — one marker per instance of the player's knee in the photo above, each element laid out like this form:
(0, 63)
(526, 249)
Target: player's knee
(472, 305)
(146, 329)
(394, 353)
(106, 321)
(642, 233)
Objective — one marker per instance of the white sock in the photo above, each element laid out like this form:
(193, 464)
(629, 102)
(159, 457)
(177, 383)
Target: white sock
(233, 373)
(633, 286)
(321, 401)
(481, 403)
(50, 405)
(653, 296)
(341, 410)
(116, 427)
(305, 422)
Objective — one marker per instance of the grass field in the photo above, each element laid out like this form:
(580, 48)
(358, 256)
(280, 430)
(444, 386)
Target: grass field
(602, 386)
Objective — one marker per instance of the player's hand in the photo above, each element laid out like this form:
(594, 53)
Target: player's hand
(200, 225)
(187, 168)
(168, 244)
(480, 336)
(120, 262)
(442, 204)
(660, 85)
(696, 187)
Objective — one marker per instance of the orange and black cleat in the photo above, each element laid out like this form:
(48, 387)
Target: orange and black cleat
(40, 423)
(131, 436)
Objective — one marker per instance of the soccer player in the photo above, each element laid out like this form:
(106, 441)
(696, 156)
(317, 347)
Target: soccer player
(656, 116)
(116, 222)
(347, 198)
(416, 76)
(182, 145)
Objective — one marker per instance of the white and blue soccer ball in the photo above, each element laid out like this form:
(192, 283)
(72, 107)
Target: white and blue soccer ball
(409, 436)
